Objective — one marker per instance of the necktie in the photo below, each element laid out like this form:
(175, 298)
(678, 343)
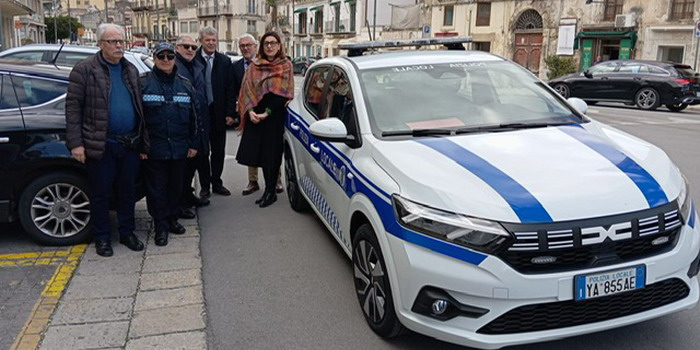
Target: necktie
(210, 93)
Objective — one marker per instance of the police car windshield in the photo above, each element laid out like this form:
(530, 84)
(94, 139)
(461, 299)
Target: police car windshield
(457, 96)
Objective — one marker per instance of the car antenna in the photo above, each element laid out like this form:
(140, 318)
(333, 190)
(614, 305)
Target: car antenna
(55, 58)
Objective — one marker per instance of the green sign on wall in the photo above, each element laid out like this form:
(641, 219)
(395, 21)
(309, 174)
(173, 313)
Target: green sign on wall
(625, 49)
(586, 53)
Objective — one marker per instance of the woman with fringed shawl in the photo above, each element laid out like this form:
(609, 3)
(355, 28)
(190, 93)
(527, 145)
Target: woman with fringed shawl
(267, 86)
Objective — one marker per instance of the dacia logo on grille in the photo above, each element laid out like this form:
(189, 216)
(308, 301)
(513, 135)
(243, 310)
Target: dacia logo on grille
(598, 234)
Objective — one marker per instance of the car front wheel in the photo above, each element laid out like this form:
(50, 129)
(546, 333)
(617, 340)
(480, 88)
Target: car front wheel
(55, 209)
(562, 89)
(647, 99)
(372, 284)
(676, 108)
(296, 199)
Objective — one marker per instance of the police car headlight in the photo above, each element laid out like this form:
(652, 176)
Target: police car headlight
(684, 201)
(479, 234)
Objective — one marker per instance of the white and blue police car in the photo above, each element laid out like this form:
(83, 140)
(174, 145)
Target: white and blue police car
(481, 208)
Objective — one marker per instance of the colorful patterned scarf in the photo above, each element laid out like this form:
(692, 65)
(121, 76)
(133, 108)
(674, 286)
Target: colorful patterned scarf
(261, 78)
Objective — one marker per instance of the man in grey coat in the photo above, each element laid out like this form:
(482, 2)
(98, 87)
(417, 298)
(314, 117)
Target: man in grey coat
(105, 130)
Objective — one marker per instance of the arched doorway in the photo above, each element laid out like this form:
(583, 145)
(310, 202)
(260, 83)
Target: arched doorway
(528, 40)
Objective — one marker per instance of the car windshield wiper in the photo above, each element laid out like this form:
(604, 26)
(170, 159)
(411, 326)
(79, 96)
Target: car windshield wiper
(508, 126)
(418, 132)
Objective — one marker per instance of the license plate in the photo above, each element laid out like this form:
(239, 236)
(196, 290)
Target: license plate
(608, 283)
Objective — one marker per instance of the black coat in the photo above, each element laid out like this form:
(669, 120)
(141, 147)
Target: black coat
(238, 73)
(194, 72)
(262, 143)
(222, 86)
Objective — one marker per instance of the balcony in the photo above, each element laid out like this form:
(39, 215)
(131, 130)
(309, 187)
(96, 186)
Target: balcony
(207, 11)
(141, 5)
(140, 31)
(338, 27)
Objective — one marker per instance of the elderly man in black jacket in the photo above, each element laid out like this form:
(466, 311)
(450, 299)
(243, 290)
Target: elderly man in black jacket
(193, 70)
(171, 119)
(105, 131)
(218, 76)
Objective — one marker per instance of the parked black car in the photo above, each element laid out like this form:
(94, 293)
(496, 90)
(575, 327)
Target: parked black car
(301, 64)
(646, 84)
(40, 184)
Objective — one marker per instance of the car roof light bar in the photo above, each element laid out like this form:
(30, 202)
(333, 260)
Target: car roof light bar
(450, 43)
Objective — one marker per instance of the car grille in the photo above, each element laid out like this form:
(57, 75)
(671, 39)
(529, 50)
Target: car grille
(592, 243)
(541, 317)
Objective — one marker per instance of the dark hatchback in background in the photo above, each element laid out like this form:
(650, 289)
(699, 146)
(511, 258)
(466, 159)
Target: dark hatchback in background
(646, 84)
(40, 184)
(301, 64)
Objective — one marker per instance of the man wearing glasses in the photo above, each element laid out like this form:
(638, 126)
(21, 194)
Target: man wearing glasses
(105, 130)
(173, 130)
(218, 75)
(193, 70)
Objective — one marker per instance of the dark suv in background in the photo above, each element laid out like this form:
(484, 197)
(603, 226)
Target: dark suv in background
(40, 184)
(646, 84)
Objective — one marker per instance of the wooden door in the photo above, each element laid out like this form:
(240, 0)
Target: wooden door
(528, 48)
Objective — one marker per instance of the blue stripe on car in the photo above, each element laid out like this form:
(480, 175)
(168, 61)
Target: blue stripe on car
(379, 198)
(691, 221)
(649, 187)
(524, 204)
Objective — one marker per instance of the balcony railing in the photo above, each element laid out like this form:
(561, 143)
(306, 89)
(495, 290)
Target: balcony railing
(213, 10)
(342, 26)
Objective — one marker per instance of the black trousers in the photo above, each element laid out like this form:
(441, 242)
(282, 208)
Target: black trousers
(199, 164)
(217, 139)
(164, 189)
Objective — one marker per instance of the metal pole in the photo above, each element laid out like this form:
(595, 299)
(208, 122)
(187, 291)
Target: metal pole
(70, 27)
(55, 23)
(374, 26)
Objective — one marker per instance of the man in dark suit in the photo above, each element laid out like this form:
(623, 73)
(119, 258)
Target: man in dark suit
(220, 97)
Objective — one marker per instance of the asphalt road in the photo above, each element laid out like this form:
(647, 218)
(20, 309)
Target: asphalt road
(275, 279)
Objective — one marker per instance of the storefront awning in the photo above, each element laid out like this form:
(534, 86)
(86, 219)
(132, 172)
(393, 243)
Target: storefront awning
(350, 1)
(303, 9)
(605, 35)
(334, 3)
(320, 7)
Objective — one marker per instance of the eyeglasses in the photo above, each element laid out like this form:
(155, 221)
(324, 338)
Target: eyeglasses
(271, 43)
(189, 47)
(245, 46)
(113, 42)
(162, 56)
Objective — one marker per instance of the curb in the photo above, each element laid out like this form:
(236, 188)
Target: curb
(133, 300)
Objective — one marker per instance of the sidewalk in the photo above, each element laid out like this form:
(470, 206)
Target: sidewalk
(151, 299)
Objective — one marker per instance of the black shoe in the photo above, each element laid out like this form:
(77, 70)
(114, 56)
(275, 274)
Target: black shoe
(221, 190)
(268, 198)
(204, 194)
(103, 248)
(132, 242)
(187, 213)
(252, 187)
(161, 238)
(176, 228)
(259, 200)
(201, 202)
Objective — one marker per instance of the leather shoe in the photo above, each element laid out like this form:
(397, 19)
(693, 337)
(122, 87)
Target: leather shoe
(252, 187)
(279, 188)
(259, 200)
(177, 228)
(132, 242)
(204, 194)
(103, 248)
(201, 202)
(161, 238)
(268, 199)
(221, 190)
(187, 213)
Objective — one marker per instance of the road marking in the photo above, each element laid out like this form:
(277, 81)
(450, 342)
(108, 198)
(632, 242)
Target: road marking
(67, 261)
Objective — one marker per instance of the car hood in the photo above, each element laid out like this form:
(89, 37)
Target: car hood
(533, 175)
(565, 77)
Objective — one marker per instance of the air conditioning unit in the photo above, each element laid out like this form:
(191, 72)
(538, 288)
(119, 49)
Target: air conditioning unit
(624, 21)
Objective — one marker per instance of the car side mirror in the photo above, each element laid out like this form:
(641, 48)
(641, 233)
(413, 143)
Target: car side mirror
(331, 130)
(587, 74)
(578, 104)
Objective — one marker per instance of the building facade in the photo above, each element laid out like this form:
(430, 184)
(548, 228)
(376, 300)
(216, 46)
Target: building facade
(231, 18)
(9, 26)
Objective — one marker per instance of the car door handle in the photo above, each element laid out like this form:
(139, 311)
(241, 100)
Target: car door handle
(351, 176)
(4, 139)
(315, 148)
(294, 126)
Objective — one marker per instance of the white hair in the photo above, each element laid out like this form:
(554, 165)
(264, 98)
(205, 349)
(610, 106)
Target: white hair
(248, 36)
(104, 27)
(208, 31)
(181, 39)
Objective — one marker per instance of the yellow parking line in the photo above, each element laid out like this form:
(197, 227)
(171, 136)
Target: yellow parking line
(67, 260)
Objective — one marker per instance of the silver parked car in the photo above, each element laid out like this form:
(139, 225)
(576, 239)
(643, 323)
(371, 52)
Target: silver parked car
(69, 55)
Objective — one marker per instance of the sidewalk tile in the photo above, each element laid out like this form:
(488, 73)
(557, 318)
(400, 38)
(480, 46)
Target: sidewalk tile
(85, 336)
(171, 262)
(104, 267)
(180, 341)
(176, 244)
(94, 310)
(96, 287)
(170, 279)
(167, 320)
(157, 299)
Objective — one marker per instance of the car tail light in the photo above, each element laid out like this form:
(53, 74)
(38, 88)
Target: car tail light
(683, 81)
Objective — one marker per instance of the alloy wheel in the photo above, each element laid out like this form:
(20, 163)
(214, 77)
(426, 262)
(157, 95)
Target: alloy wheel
(647, 99)
(370, 281)
(60, 210)
(562, 89)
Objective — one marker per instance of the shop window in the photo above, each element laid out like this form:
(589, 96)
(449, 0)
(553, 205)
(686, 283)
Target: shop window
(483, 14)
(682, 9)
(482, 46)
(612, 8)
(671, 53)
(448, 16)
